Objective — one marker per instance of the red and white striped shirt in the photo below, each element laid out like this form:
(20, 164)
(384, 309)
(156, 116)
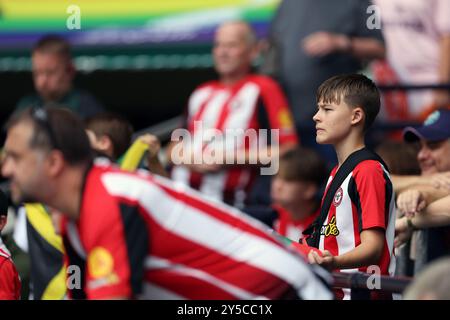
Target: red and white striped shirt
(144, 236)
(9, 277)
(255, 102)
(365, 200)
(290, 228)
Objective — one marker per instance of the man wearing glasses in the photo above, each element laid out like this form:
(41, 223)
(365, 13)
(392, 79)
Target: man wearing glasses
(137, 235)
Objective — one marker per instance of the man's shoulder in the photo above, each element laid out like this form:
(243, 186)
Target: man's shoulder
(108, 175)
(212, 84)
(88, 103)
(264, 82)
(29, 100)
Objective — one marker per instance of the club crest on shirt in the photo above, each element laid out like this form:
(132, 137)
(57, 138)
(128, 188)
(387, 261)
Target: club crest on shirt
(338, 197)
(330, 229)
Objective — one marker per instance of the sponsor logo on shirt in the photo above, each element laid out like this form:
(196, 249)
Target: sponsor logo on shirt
(101, 268)
(285, 119)
(330, 229)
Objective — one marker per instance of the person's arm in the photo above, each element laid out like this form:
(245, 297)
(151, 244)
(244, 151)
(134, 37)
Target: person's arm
(437, 214)
(367, 253)
(154, 165)
(323, 43)
(440, 180)
(417, 198)
(401, 183)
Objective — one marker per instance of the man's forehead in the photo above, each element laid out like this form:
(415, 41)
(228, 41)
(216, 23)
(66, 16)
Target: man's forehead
(436, 143)
(19, 134)
(237, 31)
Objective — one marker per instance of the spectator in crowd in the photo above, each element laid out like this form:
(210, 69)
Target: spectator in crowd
(110, 136)
(401, 159)
(138, 235)
(9, 277)
(357, 230)
(433, 283)
(314, 40)
(417, 35)
(418, 192)
(238, 102)
(435, 214)
(295, 191)
(53, 74)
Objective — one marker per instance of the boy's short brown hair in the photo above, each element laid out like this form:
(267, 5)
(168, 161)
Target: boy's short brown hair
(356, 90)
(303, 165)
(115, 127)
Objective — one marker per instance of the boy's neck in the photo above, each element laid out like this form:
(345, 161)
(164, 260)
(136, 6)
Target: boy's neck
(346, 147)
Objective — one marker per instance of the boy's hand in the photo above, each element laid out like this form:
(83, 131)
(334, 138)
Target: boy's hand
(327, 260)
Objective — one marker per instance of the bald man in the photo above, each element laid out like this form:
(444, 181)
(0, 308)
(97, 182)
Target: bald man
(239, 104)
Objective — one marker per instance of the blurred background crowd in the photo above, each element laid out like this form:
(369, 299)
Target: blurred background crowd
(146, 68)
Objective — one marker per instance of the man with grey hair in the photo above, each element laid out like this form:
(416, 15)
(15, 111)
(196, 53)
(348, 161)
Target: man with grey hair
(238, 101)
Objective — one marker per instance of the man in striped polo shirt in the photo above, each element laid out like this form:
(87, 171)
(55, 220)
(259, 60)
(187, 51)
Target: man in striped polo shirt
(238, 107)
(135, 235)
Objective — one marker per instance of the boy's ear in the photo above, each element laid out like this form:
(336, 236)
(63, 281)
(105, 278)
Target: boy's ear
(105, 143)
(357, 116)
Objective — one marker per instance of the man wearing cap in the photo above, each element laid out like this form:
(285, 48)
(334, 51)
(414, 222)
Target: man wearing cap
(417, 192)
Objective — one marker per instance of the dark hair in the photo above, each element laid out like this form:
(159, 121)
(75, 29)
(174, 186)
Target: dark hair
(302, 164)
(53, 44)
(356, 90)
(116, 127)
(56, 128)
(400, 157)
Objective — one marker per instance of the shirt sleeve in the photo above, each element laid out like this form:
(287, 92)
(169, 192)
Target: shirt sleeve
(374, 191)
(114, 258)
(279, 115)
(9, 281)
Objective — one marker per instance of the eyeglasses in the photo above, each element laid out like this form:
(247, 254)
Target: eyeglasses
(40, 116)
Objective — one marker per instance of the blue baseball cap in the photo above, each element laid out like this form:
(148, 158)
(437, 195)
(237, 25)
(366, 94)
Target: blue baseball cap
(436, 127)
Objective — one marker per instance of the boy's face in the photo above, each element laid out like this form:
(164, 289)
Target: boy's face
(288, 193)
(333, 122)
